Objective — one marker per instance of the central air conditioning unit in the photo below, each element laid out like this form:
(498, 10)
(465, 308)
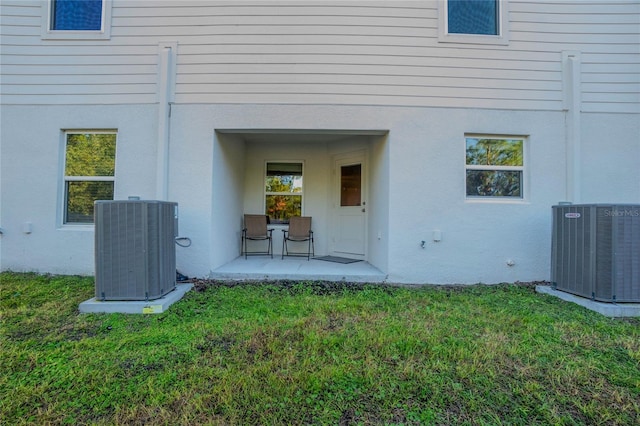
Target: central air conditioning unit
(135, 250)
(595, 251)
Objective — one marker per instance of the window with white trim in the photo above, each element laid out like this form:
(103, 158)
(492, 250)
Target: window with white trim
(89, 173)
(495, 167)
(474, 21)
(76, 19)
(283, 190)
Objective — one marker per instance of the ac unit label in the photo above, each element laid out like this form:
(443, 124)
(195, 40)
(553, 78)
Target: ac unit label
(572, 215)
(622, 212)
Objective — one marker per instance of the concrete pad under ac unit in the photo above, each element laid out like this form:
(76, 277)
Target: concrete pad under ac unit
(613, 310)
(157, 306)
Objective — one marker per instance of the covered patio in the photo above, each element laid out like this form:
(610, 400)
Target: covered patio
(236, 186)
(296, 268)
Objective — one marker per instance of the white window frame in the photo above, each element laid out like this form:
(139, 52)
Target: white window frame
(264, 188)
(49, 34)
(524, 185)
(65, 178)
(503, 27)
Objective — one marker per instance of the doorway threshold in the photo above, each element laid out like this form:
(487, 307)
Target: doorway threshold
(297, 268)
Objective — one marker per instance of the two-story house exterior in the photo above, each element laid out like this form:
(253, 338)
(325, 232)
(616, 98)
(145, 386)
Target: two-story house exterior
(429, 138)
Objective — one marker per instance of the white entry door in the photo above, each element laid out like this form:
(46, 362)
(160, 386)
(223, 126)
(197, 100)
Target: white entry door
(349, 207)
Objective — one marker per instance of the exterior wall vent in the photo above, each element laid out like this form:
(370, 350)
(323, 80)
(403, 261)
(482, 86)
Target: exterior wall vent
(135, 251)
(595, 251)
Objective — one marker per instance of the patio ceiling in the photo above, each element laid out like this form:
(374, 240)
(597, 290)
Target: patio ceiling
(299, 135)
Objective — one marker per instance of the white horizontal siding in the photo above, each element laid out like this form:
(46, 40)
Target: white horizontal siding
(78, 60)
(36, 71)
(367, 99)
(84, 99)
(406, 62)
(234, 9)
(606, 33)
(194, 82)
(340, 53)
(17, 71)
(80, 89)
(357, 52)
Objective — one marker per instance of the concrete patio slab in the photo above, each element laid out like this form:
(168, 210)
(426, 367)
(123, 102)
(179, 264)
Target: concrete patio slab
(613, 310)
(93, 306)
(296, 268)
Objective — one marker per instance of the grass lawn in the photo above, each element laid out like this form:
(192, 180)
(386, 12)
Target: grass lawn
(314, 353)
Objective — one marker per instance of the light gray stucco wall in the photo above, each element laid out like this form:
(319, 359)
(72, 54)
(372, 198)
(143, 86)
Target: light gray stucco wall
(611, 158)
(416, 178)
(478, 236)
(32, 143)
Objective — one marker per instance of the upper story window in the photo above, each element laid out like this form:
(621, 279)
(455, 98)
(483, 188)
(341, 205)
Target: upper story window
(473, 17)
(76, 19)
(89, 173)
(283, 191)
(474, 21)
(76, 15)
(495, 167)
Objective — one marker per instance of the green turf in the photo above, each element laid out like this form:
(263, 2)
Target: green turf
(314, 353)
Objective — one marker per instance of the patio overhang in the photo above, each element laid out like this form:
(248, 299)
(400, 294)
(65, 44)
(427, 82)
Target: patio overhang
(294, 135)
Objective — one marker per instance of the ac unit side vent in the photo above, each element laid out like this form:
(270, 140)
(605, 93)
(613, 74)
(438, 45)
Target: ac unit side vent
(595, 251)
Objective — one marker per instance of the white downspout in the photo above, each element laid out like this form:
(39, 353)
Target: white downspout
(572, 104)
(165, 91)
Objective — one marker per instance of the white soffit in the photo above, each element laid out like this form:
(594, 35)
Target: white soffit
(300, 135)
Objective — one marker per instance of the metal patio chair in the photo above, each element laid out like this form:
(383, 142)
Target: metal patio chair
(255, 229)
(299, 231)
